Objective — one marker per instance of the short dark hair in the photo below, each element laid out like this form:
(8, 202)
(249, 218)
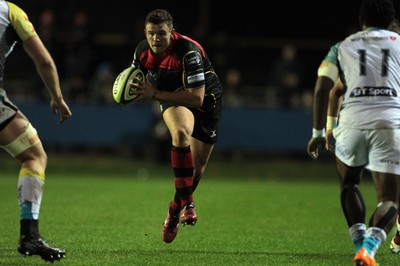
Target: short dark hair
(395, 26)
(159, 16)
(377, 13)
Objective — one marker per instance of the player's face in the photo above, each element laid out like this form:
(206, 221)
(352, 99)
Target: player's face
(158, 36)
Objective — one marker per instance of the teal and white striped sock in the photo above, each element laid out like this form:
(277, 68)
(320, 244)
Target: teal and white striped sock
(357, 233)
(374, 237)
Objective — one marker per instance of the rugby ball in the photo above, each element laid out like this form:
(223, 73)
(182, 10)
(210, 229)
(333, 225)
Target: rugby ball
(122, 92)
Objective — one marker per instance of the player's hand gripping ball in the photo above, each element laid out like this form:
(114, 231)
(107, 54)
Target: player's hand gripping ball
(122, 92)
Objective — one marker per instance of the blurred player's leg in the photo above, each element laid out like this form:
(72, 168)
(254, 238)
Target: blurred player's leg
(395, 243)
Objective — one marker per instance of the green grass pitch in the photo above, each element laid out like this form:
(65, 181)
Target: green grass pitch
(109, 211)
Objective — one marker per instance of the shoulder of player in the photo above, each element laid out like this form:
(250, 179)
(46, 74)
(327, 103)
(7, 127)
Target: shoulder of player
(20, 21)
(371, 34)
(142, 46)
(333, 51)
(15, 12)
(184, 45)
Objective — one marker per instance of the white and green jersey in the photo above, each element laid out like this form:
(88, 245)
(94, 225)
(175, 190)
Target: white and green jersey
(369, 67)
(14, 26)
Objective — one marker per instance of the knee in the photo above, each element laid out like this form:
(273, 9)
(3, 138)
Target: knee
(385, 215)
(387, 211)
(181, 137)
(34, 158)
(42, 158)
(388, 204)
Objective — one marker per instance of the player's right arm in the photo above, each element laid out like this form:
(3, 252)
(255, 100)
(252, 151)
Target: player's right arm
(47, 70)
(335, 97)
(327, 76)
(44, 63)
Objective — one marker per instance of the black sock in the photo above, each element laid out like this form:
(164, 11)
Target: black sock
(29, 228)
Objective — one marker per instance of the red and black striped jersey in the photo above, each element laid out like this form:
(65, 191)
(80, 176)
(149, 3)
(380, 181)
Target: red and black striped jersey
(185, 65)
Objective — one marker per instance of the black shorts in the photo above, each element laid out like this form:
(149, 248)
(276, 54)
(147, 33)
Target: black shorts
(206, 118)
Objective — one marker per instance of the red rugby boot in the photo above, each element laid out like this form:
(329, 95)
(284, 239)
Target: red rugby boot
(170, 226)
(188, 215)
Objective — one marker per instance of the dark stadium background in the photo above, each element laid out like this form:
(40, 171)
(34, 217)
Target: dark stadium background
(256, 29)
(249, 35)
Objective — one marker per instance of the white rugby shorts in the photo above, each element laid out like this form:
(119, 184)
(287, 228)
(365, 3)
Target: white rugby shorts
(378, 149)
(7, 108)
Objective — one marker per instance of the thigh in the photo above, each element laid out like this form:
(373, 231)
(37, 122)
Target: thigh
(7, 110)
(384, 155)
(387, 186)
(179, 121)
(14, 128)
(348, 176)
(351, 146)
(207, 122)
(33, 156)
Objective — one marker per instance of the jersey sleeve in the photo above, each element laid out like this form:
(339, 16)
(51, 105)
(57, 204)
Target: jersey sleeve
(20, 22)
(139, 51)
(332, 54)
(135, 60)
(193, 70)
(329, 65)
